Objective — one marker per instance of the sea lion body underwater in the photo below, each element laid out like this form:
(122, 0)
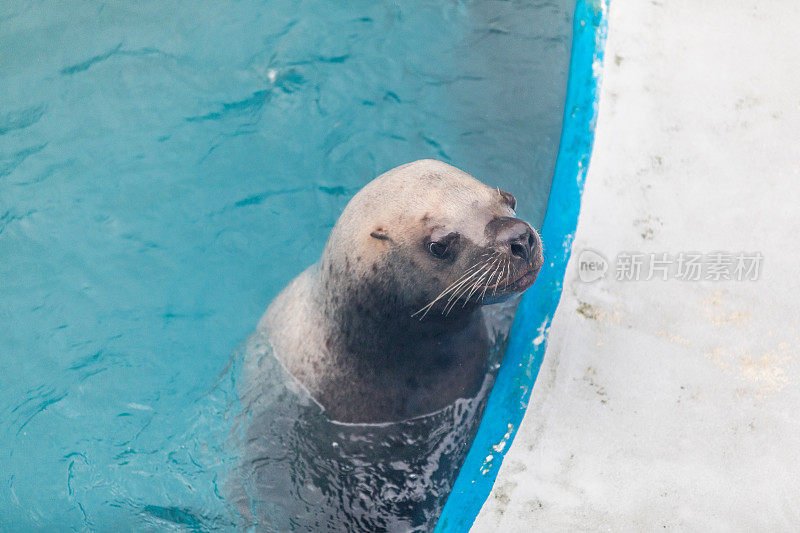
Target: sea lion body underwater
(387, 324)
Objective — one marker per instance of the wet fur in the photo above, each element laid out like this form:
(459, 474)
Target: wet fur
(349, 327)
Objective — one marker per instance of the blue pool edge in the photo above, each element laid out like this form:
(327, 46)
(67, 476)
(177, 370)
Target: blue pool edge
(527, 343)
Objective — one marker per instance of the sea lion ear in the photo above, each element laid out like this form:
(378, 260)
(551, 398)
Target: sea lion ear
(380, 234)
(508, 199)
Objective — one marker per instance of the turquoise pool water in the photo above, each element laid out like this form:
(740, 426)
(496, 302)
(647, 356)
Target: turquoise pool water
(166, 168)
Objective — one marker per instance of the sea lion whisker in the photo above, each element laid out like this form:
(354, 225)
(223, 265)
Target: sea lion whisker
(488, 265)
(465, 279)
(452, 287)
(461, 293)
(463, 288)
(476, 286)
(495, 279)
(486, 286)
(469, 271)
(457, 290)
(489, 280)
(499, 279)
(441, 295)
(503, 276)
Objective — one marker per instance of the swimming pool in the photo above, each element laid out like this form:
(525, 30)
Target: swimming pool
(165, 170)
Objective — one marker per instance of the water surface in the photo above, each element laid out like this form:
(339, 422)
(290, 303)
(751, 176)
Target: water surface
(165, 168)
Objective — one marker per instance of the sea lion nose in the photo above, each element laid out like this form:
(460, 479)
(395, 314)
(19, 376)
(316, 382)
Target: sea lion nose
(515, 234)
(522, 247)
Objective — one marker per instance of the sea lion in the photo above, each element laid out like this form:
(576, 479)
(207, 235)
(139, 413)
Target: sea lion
(387, 324)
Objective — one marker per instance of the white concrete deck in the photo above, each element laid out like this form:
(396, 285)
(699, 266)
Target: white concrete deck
(676, 404)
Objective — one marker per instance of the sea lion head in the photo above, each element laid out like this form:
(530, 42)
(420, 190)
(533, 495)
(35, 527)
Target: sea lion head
(427, 240)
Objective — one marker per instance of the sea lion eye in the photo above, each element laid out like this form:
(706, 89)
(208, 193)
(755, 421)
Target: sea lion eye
(441, 246)
(437, 249)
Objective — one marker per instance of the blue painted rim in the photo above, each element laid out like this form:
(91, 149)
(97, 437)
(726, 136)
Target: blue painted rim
(527, 343)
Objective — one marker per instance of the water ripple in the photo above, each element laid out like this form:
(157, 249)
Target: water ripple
(8, 217)
(338, 190)
(86, 65)
(183, 517)
(17, 120)
(252, 103)
(88, 360)
(319, 59)
(10, 164)
(47, 399)
(259, 198)
(116, 51)
(438, 147)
